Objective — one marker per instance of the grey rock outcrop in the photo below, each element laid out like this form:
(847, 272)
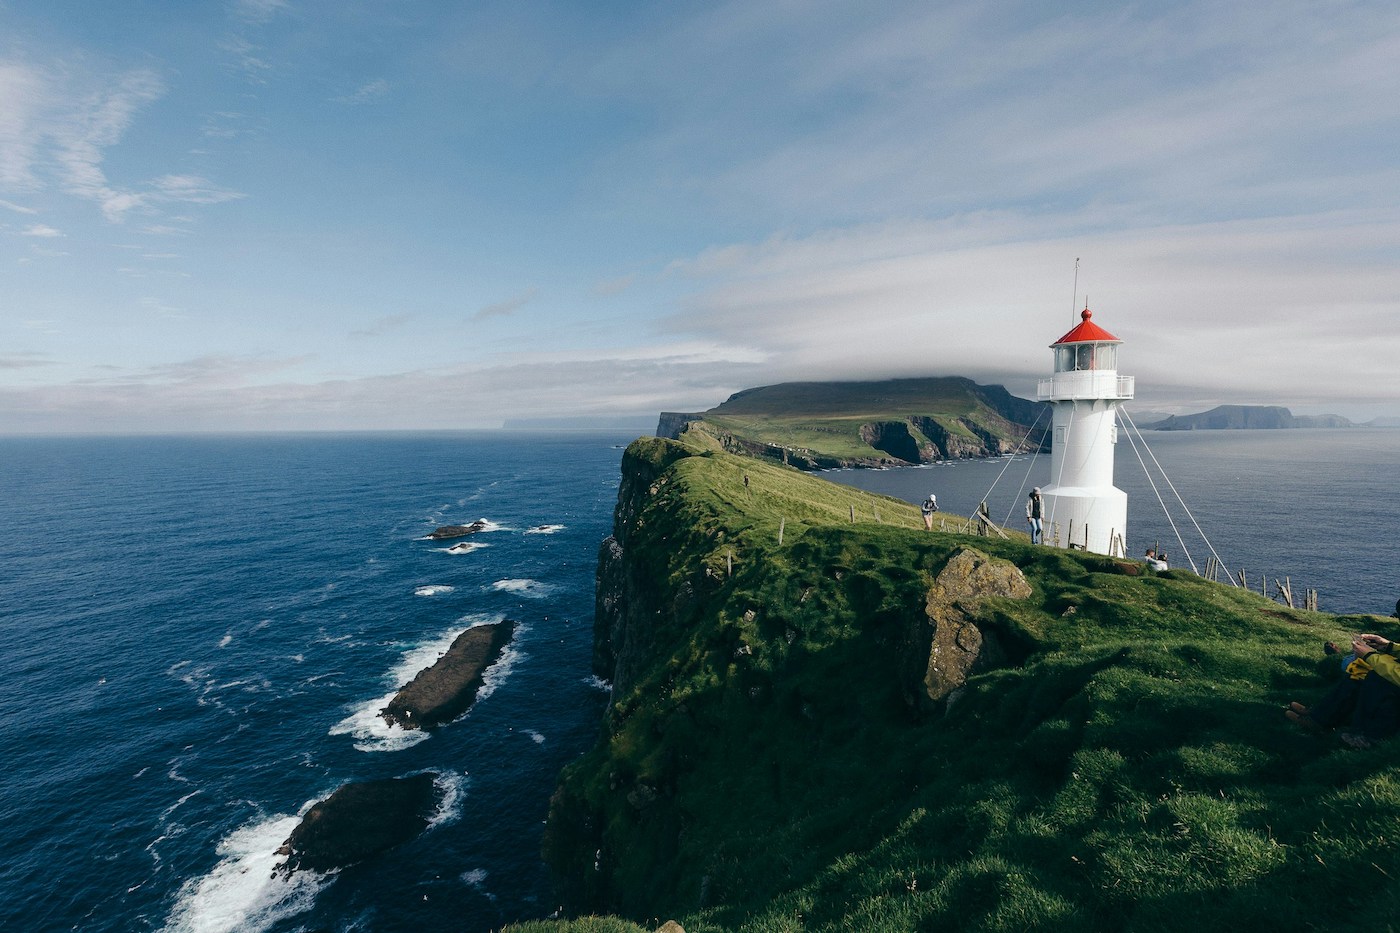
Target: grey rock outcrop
(360, 820)
(444, 691)
(947, 645)
(457, 531)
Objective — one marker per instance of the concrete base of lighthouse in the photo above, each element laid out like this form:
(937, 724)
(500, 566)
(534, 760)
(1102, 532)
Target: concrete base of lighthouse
(1092, 518)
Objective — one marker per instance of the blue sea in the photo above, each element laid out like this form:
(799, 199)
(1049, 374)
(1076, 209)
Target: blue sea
(196, 634)
(1314, 507)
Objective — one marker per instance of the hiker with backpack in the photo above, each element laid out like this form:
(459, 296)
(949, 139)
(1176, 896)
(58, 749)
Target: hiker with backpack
(928, 508)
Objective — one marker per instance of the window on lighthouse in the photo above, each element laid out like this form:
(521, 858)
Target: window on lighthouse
(1083, 357)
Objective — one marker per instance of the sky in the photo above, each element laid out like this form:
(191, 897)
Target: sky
(263, 215)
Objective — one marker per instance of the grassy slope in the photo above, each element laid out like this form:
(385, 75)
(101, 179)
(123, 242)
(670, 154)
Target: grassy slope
(1133, 773)
(826, 417)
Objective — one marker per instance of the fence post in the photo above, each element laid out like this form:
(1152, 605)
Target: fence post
(782, 524)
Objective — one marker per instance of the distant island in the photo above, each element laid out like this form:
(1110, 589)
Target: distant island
(895, 422)
(1247, 417)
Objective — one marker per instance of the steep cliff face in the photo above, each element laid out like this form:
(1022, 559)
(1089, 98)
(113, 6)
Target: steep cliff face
(824, 717)
(868, 424)
(716, 640)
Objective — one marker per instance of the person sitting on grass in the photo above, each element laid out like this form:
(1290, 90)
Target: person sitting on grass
(1369, 697)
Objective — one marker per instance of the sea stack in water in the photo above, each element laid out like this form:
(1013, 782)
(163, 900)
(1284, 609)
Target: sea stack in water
(458, 531)
(441, 693)
(360, 820)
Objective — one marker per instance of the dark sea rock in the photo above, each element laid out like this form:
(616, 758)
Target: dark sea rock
(444, 691)
(458, 531)
(360, 820)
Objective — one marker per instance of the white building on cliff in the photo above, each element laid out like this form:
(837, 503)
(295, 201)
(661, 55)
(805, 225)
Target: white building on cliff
(1082, 508)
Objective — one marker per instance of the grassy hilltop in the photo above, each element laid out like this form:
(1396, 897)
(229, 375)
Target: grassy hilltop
(771, 760)
(896, 421)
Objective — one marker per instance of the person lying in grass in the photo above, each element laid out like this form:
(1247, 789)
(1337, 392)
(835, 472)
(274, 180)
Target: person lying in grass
(1370, 699)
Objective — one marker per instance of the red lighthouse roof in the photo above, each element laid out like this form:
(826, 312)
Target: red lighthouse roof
(1085, 331)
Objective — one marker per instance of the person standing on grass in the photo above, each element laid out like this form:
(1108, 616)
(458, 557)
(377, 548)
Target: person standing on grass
(1370, 701)
(1033, 514)
(928, 508)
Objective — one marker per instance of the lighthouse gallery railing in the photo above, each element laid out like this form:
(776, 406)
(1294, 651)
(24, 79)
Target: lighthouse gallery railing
(1085, 384)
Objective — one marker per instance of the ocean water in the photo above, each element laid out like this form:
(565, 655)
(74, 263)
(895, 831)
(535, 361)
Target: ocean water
(196, 633)
(1315, 506)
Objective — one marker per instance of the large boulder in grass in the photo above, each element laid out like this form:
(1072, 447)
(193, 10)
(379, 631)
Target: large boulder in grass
(447, 689)
(360, 820)
(947, 646)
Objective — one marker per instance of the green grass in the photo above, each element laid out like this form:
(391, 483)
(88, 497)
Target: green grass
(822, 421)
(1131, 770)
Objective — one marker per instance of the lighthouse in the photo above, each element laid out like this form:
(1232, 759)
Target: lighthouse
(1081, 506)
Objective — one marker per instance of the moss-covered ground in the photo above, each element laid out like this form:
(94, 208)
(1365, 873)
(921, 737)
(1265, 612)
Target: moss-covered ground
(1130, 770)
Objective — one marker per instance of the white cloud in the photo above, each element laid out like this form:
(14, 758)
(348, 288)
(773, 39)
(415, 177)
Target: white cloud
(384, 325)
(368, 93)
(505, 308)
(259, 11)
(17, 208)
(96, 122)
(191, 189)
(23, 361)
(983, 297)
(42, 230)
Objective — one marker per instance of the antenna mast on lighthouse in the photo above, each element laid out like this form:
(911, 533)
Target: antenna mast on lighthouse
(1074, 300)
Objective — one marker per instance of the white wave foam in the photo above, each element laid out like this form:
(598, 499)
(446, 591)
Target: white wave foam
(598, 683)
(484, 526)
(224, 642)
(243, 893)
(435, 589)
(476, 879)
(453, 788)
(544, 529)
(497, 673)
(364, 723)
(372, 732)
(535, 736)
(531, 588)
(466, 547)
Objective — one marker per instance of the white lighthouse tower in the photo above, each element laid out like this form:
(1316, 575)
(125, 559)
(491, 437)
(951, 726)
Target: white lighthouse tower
(1082, 508)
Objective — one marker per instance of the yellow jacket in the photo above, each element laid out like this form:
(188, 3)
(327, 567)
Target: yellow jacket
(1384, 663)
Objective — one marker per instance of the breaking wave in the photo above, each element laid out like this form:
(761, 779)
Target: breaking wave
(242, 892)
(531, 588)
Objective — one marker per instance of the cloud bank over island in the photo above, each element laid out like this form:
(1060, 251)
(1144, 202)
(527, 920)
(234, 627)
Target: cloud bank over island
(297, 215)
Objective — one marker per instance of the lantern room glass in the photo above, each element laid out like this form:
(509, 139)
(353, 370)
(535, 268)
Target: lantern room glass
(1079, 357)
